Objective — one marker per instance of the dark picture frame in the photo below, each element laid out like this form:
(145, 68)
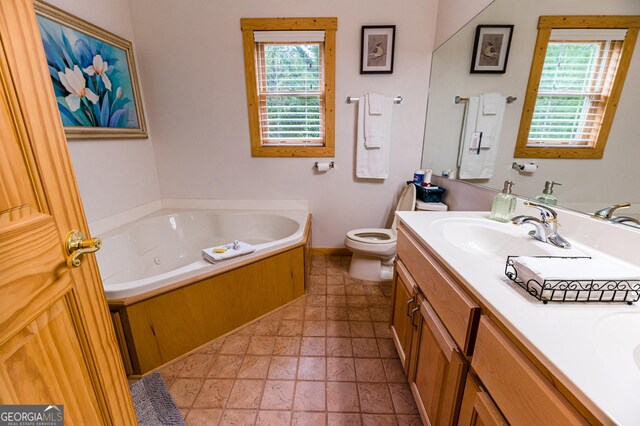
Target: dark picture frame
(377, 49)
(491, 49)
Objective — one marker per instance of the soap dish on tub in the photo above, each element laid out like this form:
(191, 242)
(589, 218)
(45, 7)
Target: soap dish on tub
(625, 291)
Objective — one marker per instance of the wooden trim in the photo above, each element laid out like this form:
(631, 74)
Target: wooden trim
(329, 25)
(125, 301)
(545, 25)
(330, 251)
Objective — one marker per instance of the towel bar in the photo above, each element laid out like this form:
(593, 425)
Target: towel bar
(352, 99)
(460, 99)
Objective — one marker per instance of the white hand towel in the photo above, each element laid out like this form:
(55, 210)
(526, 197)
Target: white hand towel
(373, 163)
(489, 122)
(377, 127)
(491, 103)
(241, 249)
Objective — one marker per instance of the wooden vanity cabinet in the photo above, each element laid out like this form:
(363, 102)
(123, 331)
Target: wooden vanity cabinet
(437, 368)
(403, 302)
(478, 409)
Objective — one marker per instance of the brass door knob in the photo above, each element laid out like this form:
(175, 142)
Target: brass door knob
(78, 244)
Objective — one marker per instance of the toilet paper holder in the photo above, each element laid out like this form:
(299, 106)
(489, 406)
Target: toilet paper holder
(525, 168)
(331, 165)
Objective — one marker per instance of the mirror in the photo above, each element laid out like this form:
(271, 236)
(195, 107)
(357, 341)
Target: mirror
(587, 185)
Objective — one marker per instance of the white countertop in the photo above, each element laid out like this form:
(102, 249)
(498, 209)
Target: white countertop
(567, 338)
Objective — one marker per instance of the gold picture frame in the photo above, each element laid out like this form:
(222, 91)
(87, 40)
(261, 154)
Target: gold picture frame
(94, 77)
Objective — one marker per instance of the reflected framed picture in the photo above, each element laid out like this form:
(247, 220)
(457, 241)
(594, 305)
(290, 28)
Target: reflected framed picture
(93, 76)
(491, 49)
(377, 48)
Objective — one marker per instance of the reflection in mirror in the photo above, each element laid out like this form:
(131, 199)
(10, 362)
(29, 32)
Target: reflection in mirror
(588, 185)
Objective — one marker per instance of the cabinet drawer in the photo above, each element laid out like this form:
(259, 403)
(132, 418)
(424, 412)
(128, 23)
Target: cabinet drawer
(455, 308)
(521, 391)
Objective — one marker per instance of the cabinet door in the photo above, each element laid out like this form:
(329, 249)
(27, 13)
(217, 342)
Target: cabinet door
(403, 302)
(478, 409)
(437, 369)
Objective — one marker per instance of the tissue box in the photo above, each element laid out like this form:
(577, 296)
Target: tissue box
(428, 194)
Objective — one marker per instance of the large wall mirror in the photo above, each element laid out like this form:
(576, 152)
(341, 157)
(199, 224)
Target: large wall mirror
(587, 184)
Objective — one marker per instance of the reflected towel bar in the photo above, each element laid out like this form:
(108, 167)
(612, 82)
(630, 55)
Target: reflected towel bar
(352, 99)
(460, 99)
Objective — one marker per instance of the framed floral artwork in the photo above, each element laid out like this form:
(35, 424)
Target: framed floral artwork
(376, 49)
(93, 76)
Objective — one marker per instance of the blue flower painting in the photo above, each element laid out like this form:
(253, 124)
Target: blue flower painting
(91, 79)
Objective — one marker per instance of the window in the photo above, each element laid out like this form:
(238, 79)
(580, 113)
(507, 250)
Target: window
(577, 74)
(290, 72)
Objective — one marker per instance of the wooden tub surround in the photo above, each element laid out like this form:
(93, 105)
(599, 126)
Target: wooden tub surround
(159, 326)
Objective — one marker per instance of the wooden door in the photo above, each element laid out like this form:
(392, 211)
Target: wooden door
(437, 369)
(478, 408)
(57, 345)
(402, 303)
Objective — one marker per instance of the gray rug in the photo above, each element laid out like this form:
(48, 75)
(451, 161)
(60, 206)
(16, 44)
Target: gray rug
(153, 402)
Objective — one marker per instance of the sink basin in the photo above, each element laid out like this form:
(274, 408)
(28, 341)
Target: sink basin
(618, 342)
(495, 240)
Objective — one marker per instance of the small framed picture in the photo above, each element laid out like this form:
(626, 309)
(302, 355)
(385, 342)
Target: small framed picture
(376, 55)
(491, 48)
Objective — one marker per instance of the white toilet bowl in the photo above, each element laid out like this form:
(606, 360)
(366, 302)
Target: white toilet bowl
(374, 249)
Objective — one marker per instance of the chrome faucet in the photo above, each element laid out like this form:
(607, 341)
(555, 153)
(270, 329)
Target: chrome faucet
(546, 228)
(607, 212)
(626, 219)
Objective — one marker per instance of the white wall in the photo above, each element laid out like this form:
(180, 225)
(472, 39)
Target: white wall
(113, 176)
(191, 63)
(586, 183)
(453, 15)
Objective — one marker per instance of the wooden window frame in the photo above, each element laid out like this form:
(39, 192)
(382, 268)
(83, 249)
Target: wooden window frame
(545, 25)
(329, 26)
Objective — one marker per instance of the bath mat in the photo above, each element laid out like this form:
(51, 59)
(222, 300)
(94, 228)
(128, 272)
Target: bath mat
(153, 402)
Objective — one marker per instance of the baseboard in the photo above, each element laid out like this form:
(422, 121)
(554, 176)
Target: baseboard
(329, 251)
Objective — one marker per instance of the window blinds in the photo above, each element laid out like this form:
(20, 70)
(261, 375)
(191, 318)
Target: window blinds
(290, 73)
(574, 87)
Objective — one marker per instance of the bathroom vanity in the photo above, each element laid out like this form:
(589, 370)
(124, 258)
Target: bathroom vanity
(477, 349)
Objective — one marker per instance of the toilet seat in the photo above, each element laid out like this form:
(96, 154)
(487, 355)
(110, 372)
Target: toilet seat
(372, 235)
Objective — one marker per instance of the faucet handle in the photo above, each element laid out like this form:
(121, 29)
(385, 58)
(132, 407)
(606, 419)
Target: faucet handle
(607, 212)
(547, 214)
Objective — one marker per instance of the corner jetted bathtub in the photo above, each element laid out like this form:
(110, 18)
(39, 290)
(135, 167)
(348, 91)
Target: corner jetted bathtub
(164, 249)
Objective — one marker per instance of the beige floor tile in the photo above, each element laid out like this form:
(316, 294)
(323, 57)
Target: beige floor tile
(359, 314)
(387, 348)
(317, 289)
(267, 327)
(226, 366)
(315, 313)
(358, 301)
(378, 420)
(245, 394)
(214, 393)
(170, 372)
(339, 346)
(318, 280)
(312, 368)
(203, 417)
(355, 290)
(197, 365)
(369, 370)
(183, 412)
(335, 280)
(235, 345)
(254, 367)
(402, 398)
(375, 398)
(341, 369)
(361, 329)
(313, 346)
(283, 367)
(247, 330)
(278, 395)
(337, 313)
(273, 418)
(336, 289)
(238, 418)
(373, 291)
(394, 371)
(309, 396)
(375, 300)
(308, 419)
(261, 345)
(335, 300)
(293, 313)
(365, 348)
(212, 347)
(343, 419)
(290, 328)
(317, 300)
(382, 330)
(287, 345)
(343, 397)
(314, 328)
(338, 329)
(335, 271)
(409, 420)
(379, 313)
(185, 391)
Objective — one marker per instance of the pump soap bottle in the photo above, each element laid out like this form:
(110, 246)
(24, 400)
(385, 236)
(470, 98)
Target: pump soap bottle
(546, 196)
(503, 204)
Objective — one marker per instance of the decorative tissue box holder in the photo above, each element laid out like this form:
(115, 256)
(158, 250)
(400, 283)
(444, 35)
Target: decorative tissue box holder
(428, 194)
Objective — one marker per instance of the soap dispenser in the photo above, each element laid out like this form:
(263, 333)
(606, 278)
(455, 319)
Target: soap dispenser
(503, 204)
(546, 196)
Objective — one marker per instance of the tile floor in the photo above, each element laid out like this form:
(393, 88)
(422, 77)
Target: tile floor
(326, 359)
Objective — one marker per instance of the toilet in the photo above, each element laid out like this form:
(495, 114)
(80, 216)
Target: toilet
(374, 249)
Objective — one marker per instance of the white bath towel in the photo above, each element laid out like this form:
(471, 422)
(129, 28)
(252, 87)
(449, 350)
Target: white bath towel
(373, 162)
(480, 164)
(492, 103)
(489, 121)
(237, 248)
(377, 120)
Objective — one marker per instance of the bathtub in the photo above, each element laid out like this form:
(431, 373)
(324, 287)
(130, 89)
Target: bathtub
(163, 250)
